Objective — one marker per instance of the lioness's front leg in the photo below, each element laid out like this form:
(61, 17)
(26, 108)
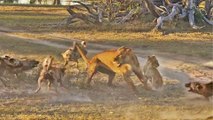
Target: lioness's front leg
(127, 70)
(130, 83)
(111, 77)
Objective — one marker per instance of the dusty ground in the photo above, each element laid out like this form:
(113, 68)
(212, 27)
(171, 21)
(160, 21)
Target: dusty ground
(100, 101)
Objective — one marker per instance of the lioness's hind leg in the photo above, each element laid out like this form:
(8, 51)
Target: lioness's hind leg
(90, 75)
(92, 70)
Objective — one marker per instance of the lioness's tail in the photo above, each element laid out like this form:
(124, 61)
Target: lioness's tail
(82, 54)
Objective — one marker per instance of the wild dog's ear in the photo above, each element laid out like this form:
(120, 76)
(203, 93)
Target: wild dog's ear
(6, 57)
(45, 66)
(11, 60)
(187, 84)
(198, 86)
(51, 57)
(210, 85)
(84, 44)
(70, 48)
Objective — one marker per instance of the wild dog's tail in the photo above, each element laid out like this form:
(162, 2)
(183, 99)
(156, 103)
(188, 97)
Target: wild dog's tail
(82, 54)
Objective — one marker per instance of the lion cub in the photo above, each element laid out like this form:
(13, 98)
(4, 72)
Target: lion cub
(51, 73)
(151, 72)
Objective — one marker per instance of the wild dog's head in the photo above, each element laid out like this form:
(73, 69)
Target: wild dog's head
(10, 61)
(205, 89)
(72, 53)
(47, 62)
(193, 86)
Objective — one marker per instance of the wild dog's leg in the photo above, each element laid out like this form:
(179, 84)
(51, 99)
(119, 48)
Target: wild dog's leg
(3, 82)
(16, 75)
(40, 80)
(55, 85)
(66, 62)
(49, 84)
(111, 77)
(79, 72)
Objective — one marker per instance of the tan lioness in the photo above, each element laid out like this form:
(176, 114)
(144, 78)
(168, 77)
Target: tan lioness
(51, 73)
(105, 62)
(151, 72)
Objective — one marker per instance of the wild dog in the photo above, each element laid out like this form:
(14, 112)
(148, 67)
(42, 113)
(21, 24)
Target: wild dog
(105, 62)
(15, 66)
(50, 73)
(204, 89)
(72, 55)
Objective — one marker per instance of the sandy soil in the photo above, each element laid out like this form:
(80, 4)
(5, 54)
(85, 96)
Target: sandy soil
(176, 71)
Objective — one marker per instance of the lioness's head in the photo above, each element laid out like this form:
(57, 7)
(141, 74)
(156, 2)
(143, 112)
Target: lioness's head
(153, 60)
(123, 55)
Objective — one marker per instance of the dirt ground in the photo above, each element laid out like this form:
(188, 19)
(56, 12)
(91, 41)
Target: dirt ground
(100, 102)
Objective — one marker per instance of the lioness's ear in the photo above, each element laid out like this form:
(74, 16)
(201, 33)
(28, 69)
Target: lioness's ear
(149, 57)
(152, 56)
(128, 49)
(120, 49)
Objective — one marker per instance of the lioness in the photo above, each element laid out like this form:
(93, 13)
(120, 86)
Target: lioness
(151, 72)
(205, 89)
(51, 73)
(72, 55)
(105, 62)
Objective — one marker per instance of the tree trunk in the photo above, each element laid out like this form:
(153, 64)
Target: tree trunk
(57, 2)
(152, 8)
(170, 17)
